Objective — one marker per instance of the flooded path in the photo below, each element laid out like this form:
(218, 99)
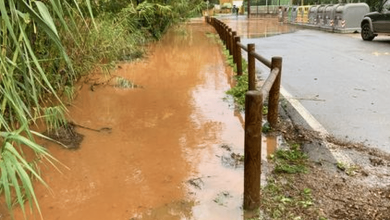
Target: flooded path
(258, 27)
(162, 159)
(169, 153)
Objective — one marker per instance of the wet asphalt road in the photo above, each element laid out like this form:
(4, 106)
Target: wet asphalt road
(340, 79)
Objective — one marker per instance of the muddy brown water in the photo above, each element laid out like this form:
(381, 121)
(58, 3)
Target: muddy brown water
(258, 27)
(164, 157)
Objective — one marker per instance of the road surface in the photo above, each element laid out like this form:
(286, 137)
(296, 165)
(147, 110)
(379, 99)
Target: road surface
(340, 79)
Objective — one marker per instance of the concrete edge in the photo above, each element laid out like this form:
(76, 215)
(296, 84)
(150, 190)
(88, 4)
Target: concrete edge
(303, 114)
(300, 115)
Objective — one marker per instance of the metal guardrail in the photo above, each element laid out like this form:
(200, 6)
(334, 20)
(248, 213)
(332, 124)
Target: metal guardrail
(254, 101)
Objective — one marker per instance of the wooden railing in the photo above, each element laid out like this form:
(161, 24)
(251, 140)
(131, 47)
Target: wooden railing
(254, 100)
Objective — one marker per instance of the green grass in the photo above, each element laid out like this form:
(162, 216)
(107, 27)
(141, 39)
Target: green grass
(349, 169)
(239, 90)
(124, 83)
(55, 117)
(290, 161)
(282, 198)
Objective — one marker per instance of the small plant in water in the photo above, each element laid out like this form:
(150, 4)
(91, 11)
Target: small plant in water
(124, 83)
(238, 92)
(69, 92)
(55, 117)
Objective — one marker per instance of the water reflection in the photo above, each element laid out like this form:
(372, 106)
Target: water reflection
(259, 27)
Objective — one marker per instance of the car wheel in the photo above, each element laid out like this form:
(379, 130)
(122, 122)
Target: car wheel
(367, 33)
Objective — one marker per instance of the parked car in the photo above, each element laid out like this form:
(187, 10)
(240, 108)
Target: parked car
(375, 23)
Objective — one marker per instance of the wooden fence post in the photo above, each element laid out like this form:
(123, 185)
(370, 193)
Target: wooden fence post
(225, 33)
(238, 55)
(233, 46)
(219, 30)
(251, 68)
(222, 32)
(229, 39)
(231, 42)
(274, 93)
(252, 151)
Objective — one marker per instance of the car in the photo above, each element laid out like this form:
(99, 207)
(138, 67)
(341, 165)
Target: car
(375, 23)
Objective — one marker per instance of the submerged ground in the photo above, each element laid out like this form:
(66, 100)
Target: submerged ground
(162, 148)
(161, 156)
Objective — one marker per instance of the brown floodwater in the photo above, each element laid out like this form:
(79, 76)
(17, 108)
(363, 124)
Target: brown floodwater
(259, 27)
(168, 155)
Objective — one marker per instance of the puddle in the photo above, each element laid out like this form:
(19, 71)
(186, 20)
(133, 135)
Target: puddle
(175, 210)
(259, 27)
(162, 156)
(272, 143)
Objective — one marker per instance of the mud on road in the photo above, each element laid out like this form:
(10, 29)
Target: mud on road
(343, 180)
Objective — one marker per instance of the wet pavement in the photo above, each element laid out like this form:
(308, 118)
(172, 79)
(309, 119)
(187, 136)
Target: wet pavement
(257, 27)
(169, 153)
(339, 78)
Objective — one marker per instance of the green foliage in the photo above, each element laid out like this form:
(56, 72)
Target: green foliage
(376, 5)
(265, 110)
(349, 169)
(241, 87)
(184, 9)
(290, 160)
(266, 127)
(55, 117)
(155, 18)
(239, 90)
(106, 6)
(282, 200)
(124, 83)
(69, 92)
(33, 61)
(16, 172)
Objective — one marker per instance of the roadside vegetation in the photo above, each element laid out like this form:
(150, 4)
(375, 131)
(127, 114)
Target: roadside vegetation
(46, 47)
(281, 197)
